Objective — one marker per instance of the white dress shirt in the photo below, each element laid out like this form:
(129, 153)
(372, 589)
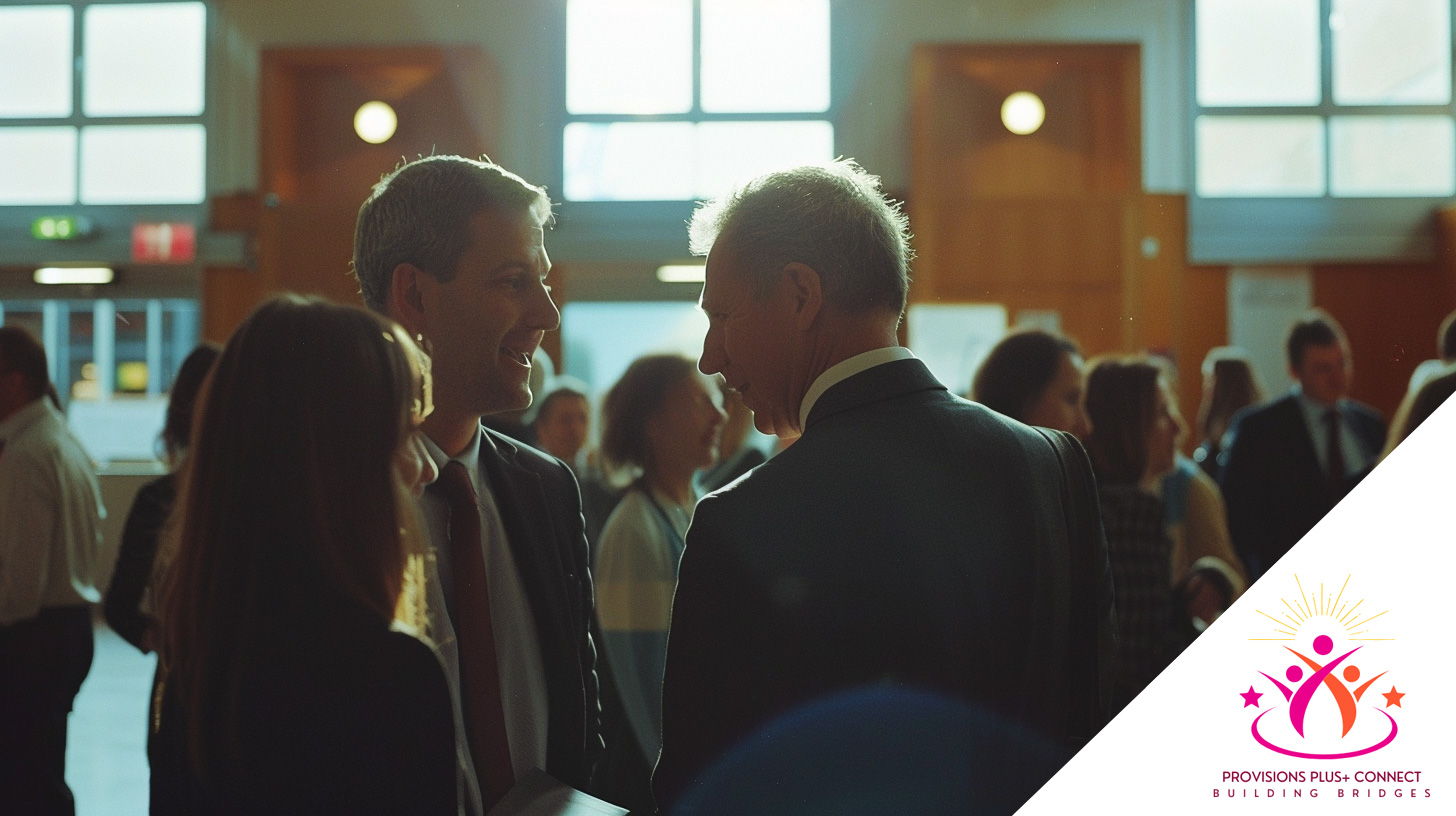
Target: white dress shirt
(518, 650)
(50, 516)
(1352, 449)
(843, 370)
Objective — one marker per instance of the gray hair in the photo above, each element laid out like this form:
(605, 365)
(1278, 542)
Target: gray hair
(833, 217)
(420, 212)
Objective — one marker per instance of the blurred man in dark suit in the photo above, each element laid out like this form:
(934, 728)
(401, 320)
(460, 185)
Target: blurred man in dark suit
(1291, 460)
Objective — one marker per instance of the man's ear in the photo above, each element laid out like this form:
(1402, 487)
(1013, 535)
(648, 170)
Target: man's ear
(406, 303)
(804, 286)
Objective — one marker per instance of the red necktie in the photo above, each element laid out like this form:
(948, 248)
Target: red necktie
(485, 721)
(1335, 461)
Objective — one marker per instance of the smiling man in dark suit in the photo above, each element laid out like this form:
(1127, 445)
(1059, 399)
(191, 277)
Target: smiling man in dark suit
(909, 537)
(1292, 460)
(453, 249)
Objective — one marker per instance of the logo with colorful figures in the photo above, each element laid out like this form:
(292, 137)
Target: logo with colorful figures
(1327, 704)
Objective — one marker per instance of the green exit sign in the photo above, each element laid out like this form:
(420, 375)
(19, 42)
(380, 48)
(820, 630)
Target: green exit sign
(60, 227)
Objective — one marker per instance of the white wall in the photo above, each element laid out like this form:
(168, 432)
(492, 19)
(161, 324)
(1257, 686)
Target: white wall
(872, 53)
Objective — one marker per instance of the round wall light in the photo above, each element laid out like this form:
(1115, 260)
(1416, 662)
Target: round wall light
(375, 122)
(1022, 113)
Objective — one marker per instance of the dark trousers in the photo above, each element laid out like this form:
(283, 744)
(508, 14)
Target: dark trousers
(43, 661)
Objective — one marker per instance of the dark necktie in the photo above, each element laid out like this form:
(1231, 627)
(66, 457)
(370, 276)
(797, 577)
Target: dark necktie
(485, 721)
(1335, 461)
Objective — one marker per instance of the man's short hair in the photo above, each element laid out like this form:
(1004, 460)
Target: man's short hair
(1316, 328)
(419, 214)
(20, 351)
(833, 218)
(563, 388)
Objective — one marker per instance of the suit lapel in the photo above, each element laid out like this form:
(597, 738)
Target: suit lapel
(882, 382)
(531, 535)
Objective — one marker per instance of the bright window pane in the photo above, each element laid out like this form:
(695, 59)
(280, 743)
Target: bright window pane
(1258, 52)
(629, 56)
(144, 59)
(629, 161)
(38, 165)
(143, 164)
(765, 55)
(35, 61)
(732, 152)
(1392, 156)
(1392, 52)
(1260, 156)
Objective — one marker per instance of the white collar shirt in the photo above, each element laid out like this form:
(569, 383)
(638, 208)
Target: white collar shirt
(518, 650)
(1356, 457)
(843, 370)
(51, 549)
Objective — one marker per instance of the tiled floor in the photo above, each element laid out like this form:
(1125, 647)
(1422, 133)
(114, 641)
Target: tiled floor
(106, 759)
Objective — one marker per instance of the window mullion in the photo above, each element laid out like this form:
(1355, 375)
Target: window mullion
(697, 109)
(78, 114)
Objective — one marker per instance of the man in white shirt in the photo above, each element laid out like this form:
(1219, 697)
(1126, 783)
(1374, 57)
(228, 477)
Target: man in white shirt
(50, 542)
(453, 249)
(909, 537)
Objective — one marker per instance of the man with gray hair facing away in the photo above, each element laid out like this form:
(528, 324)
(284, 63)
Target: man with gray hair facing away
(908, 538)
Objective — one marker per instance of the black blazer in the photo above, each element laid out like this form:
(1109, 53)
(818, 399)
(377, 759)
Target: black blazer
(336, 714)
(909, 537)
(540, 509)
(1272, 481)
(138, 554)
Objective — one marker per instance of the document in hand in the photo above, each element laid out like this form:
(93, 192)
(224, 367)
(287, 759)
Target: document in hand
(539, 794)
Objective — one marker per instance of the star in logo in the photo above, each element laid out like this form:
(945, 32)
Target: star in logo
(1392, 697)
(1251, 697)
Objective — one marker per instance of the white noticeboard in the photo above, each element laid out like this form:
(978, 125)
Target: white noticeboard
(953, 338)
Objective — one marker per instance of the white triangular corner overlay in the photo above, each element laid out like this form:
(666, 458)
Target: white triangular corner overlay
(1391, 547)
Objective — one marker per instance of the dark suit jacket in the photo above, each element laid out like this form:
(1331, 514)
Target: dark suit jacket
(909, 537)
(138, 553)
(1272, 482)
(541, 511)
(336, 714)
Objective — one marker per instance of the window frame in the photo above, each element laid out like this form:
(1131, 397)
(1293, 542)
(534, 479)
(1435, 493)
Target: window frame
(110, 240)
(1305, 229)
(631, 230)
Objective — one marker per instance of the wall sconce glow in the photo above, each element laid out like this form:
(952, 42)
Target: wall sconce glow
(681, 273)
(1023, 113)
(74, 274)
(375, 122)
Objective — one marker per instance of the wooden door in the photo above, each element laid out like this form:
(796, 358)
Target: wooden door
(1050, 220)
(315, 170)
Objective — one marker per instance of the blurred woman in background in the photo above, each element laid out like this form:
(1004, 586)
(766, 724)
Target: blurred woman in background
(1035, 377)
(661, 425)
(287, 688)
(1418, 406)
(129, 605)
(1132, 446)
(153, 504)
(1229, 386)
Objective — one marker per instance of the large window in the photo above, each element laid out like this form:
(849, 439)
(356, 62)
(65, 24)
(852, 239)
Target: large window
(102, 103)
(673, 100)
(1322, 129)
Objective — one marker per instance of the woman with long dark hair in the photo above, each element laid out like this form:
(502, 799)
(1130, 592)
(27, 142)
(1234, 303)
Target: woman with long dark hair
(288, 686)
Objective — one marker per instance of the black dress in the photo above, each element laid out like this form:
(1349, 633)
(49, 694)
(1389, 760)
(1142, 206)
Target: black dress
(338, 714)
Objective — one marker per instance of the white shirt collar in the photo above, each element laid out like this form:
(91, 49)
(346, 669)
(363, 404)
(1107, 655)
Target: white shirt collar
(843, 370)
(470, 457)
